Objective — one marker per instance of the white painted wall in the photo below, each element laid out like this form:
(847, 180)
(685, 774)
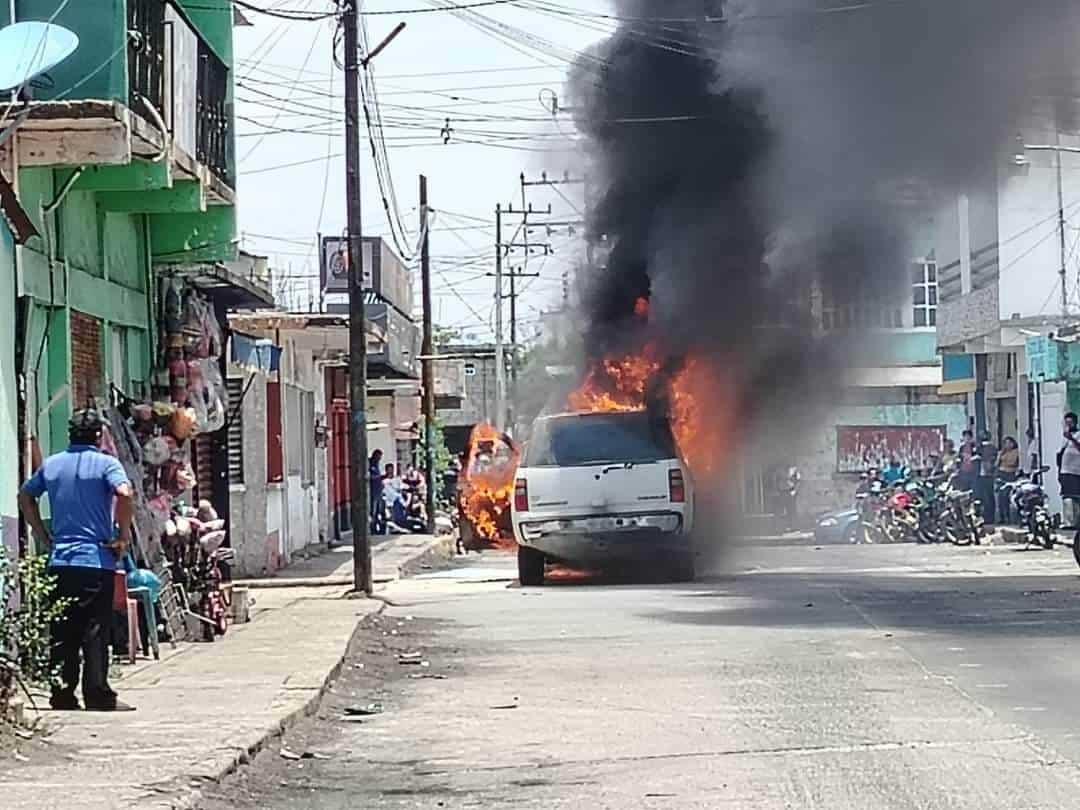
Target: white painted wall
(181, 80)
(1028, 228)
(380, 409)
(1054, 406)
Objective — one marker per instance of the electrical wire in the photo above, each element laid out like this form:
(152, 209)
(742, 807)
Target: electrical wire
(307, 59)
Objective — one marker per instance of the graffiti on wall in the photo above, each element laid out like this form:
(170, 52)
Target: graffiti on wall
(860, 448)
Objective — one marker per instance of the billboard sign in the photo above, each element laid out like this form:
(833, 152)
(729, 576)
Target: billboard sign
(334, 264)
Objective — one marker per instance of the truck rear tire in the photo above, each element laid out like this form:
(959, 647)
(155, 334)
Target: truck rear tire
(530, 567)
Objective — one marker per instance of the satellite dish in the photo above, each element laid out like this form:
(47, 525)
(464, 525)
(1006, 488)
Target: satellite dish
(28, 49)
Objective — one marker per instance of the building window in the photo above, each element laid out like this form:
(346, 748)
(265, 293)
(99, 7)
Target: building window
(924, 291)
(235, 429)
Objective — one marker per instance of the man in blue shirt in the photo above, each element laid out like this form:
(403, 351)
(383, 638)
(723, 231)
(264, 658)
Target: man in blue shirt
(86, 546)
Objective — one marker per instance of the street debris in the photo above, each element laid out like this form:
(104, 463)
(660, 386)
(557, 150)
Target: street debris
(289, 754)
(434, 676)
(504, 706)
(364, 711)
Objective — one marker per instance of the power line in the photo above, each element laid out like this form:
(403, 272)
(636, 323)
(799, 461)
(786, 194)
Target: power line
(477, 4)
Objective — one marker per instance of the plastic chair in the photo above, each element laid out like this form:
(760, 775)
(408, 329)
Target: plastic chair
(141, 598)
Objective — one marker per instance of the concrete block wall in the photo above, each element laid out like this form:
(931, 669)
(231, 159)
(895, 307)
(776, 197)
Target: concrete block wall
(257, 550)
(822, 487)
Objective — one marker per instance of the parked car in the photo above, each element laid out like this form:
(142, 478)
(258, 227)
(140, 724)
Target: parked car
(841, 526)
(601, 491)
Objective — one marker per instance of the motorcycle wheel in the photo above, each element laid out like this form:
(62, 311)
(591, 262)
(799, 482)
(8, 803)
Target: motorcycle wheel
(961, 532)
(1045, 536)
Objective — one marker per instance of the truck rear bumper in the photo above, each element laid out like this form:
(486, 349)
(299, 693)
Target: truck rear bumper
(607, 541)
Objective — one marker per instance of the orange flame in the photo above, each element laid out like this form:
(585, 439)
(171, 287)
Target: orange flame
(616, 384)
(702, 403)
(703, 416)
(488, 485)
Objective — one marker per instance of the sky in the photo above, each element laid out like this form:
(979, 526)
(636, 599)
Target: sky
(497, 95)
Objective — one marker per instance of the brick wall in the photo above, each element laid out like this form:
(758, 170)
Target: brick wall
(87, 367)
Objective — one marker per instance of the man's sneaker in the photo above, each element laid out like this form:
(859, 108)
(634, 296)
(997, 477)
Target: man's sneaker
(63, 702)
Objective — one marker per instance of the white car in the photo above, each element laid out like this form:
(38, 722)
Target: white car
(603, 490)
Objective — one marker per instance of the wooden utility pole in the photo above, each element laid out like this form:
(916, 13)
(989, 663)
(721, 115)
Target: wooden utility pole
(500, 360)
(428, 351)
(358, 444)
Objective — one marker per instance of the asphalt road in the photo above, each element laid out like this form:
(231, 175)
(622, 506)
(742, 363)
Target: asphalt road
(847, 678)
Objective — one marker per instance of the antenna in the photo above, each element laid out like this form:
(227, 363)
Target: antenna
(28, 49)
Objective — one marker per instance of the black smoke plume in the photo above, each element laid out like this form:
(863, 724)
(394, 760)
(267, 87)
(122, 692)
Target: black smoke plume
(752, 158)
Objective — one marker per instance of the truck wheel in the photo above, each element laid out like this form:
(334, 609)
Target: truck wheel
(530, 566)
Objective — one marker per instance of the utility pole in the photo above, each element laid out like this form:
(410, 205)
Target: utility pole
(358, 444)
(500, 360)
(1021, 160)
(429, 359)
(1064, 271)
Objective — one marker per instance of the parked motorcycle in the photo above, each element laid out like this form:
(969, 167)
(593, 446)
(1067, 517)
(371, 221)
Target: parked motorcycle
(931, 505)
(902, 518)
(962, 521)
(1029, 500)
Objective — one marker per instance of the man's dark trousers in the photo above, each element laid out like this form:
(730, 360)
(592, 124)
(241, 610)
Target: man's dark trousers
(83, 628)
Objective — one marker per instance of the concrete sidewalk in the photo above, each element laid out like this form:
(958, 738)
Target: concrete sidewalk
(392, 557)
(203, 708)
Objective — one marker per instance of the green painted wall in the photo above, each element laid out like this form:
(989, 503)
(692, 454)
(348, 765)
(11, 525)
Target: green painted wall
(100, 63)
(103, 270)
(214, 20)
(9, 428)
(202, 237)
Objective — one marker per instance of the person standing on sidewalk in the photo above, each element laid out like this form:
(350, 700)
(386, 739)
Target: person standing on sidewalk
(92, 506)
(376, 486)
(988, 458)
(1068, 460)
(1008, 470)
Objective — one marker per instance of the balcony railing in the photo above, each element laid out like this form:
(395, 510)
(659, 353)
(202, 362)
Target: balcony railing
(212, 133)
(174, 69)
(146, 53)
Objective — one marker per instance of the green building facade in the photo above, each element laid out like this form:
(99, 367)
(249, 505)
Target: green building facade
(126, 166)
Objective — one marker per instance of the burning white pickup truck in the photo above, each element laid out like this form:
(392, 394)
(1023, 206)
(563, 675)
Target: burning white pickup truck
(603, 490)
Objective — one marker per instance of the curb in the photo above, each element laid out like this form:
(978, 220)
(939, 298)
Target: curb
(295, 582)
(190, 800)
(438, 549)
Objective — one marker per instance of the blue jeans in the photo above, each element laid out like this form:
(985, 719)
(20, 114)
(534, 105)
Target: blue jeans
(377, 509)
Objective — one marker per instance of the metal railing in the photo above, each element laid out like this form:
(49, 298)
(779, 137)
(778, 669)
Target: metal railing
(146, 52)
(153, 45)
(213, 124)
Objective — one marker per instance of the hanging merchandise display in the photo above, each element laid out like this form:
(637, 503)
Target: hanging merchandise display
(180, 549)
